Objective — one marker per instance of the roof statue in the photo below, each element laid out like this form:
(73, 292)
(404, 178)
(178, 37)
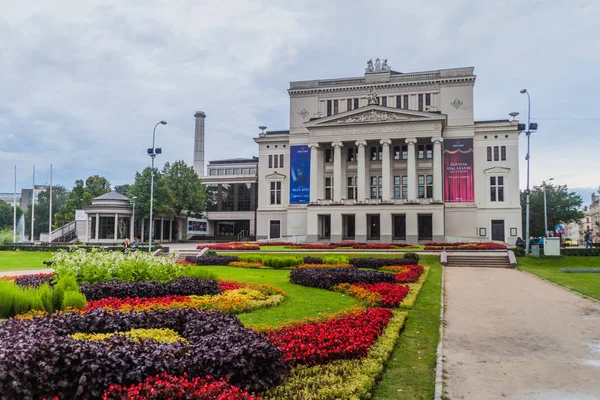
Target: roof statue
(385, 66)
(372, 97)
(369, 66)
(378, 67)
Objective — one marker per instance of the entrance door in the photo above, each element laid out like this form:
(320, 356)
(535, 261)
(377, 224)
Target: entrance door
(498, 230)
(425, 227)
(275, 230)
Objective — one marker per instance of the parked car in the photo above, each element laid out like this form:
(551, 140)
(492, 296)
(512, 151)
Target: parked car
(570, 242)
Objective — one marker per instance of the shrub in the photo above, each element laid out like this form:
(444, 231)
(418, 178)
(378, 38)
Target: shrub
(210, 253)
(34, 280)
(336, 259)
(411, 256)
(166, 387)
(198, 273)
(181, 286)
(219, 345)
(252, 258)
(98, 266)
(576, 252)
(64, 284)
(73, 299)
(312, 260)
(6, 236)
(376, 263)
(212, 260)
(519, 252)
(328, 278)
(282, 262)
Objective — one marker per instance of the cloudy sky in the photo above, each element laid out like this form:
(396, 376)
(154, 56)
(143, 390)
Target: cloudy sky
(82, 83)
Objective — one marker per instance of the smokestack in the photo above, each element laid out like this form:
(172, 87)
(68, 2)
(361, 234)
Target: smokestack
(199, 143)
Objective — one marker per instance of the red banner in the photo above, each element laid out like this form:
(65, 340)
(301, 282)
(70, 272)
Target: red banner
(458, 171)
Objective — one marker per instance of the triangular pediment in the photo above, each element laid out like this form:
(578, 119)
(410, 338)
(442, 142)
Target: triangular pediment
(375, 114)
(497, 171)
(275, 176)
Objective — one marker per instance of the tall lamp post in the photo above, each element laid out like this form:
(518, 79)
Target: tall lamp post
(530, 127)
(153, 152)
(133, 218)
(545, 208)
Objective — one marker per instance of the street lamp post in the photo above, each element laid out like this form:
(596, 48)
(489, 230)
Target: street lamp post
(153, 152)
(133, 218)
(530, 127)
(545, 208)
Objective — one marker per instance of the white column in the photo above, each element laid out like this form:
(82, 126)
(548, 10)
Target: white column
(314, 172)
(337, 171)
(131, 228)
(411, 170)
(437, 168)
(116, 227)
(361, 172)
(142, 232)
(171, 230)
(386, 170)
(162, 228)
(97, 226)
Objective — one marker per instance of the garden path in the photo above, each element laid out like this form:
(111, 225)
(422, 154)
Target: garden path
(510, 335)
(26, 272)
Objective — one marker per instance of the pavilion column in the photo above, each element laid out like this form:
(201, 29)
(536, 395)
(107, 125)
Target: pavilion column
(437, 168)
(162, 228)
(171, 230)
(131, 229)
(411, 170)
(314, 172)
(386, 170)
(337, 171)
(97, 226)
(142, 232)
(116, 227)
(361, 173)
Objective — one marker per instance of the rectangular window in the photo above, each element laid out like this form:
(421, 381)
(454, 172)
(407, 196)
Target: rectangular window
(404, 187)
(275, 161)
(276, 192)
(489, 153)
(351, 154)
(396, 152)
(221, 172)
(329, 108)
(328, 158)
(429, 152)
(380, 153)
(236, 171)
(405, 102)
(355, 103)
(246, 171)
(328, 188)
(376, 188)
(421, 152)
(398, 101)
(336, 106)
(270, 160)
(384, 101)
(420, 102)
(425, 186)
(251, 171)
(352, 188)
(503, 153)
(348, 104)
(281, 161)
(398, 187)
(496, 154)
(496, 188)
(229, 171)
(212, 172)
(405, 152)
(428, 99)
(373, 153)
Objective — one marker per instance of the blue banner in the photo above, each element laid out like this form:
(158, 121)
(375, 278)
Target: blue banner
(299, 175)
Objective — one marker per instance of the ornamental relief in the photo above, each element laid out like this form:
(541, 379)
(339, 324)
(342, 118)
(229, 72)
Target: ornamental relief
(428, 129)
(374, 116)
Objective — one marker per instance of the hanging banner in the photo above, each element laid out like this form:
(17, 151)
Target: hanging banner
(299, 175)
(458, 171)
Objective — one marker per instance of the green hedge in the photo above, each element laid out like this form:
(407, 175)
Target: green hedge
(581, 252)
(68, 248)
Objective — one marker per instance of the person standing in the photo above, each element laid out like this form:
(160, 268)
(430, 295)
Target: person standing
(588, 240)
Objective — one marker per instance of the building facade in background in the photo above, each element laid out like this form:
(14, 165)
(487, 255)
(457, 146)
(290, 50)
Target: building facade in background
(389, 156)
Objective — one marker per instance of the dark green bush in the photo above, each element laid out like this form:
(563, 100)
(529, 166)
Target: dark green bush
(594, 252)
(211, 253)
(519, 252)
(411, 256)
(282, 262)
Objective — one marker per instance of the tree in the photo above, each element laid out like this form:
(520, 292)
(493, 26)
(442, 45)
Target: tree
(141, 189)
(123, 189)
(6, 214)
(187, 192)
(60, 196)
(562, 205)
(80, 196)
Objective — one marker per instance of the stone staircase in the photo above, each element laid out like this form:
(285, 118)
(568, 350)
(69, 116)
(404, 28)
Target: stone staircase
(473, 259)
(181, 255)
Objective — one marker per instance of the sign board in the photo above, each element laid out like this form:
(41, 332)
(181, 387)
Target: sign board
(299, 175)
(458, 171)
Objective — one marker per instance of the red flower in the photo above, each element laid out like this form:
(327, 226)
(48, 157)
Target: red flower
(391, 294)
(411, 275)
(347, 337)
(229, 285)
(114, 303)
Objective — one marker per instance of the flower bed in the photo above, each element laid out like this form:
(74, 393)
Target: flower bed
(347, 245)
(211, 260)
(328, 278)
(391, 294)
(464, 246)
(39, 359)
(347, 337)
(230, 246)
(324, 266)
(245, 264)
(181, 286)
(410, 275)
(366, 297)
(376, 263)
(166, 387)
(34, 280)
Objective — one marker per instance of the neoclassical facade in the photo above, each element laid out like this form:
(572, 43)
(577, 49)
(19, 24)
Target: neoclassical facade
(386, 157)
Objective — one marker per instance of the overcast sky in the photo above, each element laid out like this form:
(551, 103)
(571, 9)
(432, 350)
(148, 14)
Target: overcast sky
(82, 83)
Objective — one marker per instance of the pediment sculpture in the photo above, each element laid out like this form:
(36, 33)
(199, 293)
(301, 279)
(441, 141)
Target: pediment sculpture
(373, 116)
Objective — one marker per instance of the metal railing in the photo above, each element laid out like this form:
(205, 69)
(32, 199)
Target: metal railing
(67, 230)
(242, 234)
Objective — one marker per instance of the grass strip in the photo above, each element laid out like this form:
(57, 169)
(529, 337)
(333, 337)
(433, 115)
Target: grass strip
(342, 379)
(410, 372)
(22, 260)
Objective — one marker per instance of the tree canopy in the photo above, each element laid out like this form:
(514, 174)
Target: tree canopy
(60, 196)
(6, 214)
(562, 205)
(80, 196)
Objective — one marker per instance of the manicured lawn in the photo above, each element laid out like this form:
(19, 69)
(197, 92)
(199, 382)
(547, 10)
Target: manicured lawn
(19, 260)
(301, 302)
(342, 249)
(549, 268)
(410, 372)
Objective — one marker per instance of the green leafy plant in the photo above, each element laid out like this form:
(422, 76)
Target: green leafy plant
(411, 256)
(198, 273)
(73, 299)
